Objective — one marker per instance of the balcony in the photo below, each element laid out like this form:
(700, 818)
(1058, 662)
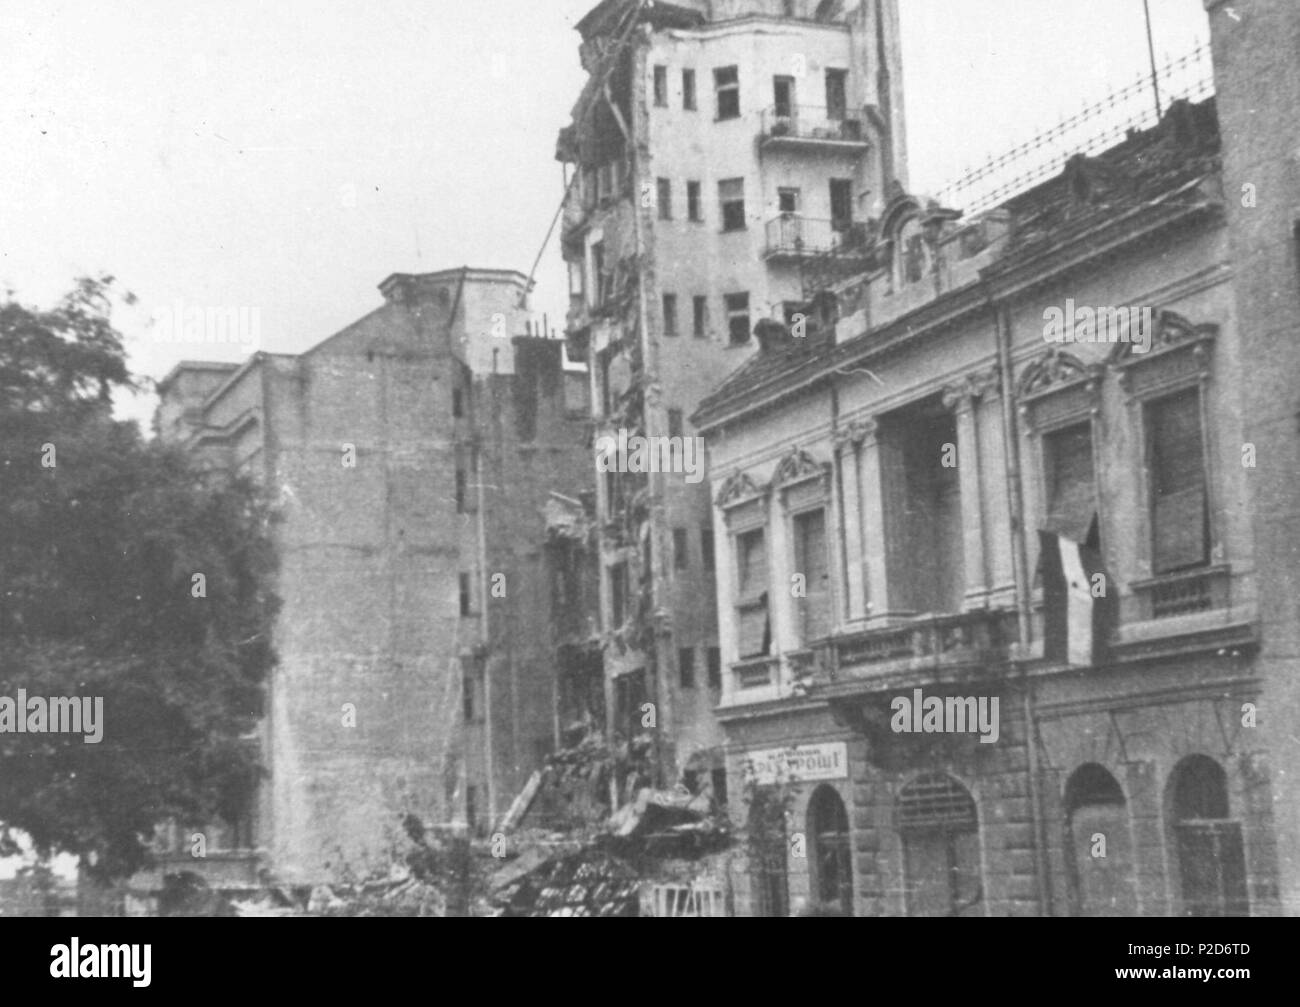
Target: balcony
(964, 642)
(808, 126)
(792, 237)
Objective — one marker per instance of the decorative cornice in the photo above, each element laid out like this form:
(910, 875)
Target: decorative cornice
(968, 388)
(1172, 331)
(796, 467)
(737, 489)
(1055, 369)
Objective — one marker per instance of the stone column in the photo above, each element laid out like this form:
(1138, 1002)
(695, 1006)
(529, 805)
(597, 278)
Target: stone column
(848, 443)
(875, 568)
(961, 398)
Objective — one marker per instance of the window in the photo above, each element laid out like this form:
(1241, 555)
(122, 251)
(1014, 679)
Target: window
(600, 282)
(738, 318)
(1180, 532)
(832, 855)
(767, 846)
(783, 97)
(814, 608)
(726, 82)
(471, 808)
(467, 692)
(841, 203)
(686, 667)
(670, 314)
(457, 403)
(713, 656)
(940, 831)
(836, 94)
(1071, 484)
(688, 90)
(460, 491)
(693, 207)
(731, 196)
(661, 86)
(618, 593)
(1211, 860)
(675, 423)
(1099, 886)
(787, 200)
(700, 317)
(751, 593)
(665, 194)
(466, 596)
(706, 548)
(681, 554)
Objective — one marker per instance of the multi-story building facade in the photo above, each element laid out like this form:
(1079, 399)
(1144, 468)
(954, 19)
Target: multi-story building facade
(931, 504)
(721, 151)
(413, 456)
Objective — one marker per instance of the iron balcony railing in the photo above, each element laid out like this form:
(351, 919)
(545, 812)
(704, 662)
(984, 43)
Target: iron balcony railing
(806, 123)
(793, 235)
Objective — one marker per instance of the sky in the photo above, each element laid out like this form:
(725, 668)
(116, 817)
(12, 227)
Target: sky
(283, 158)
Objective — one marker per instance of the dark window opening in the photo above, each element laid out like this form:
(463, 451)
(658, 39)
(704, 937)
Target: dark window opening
(706, 548)
(713, 656)
(670, 314)
(783, 97)
(731, 196)
(700, 317)
(686, 667)
(767, 852)
(693, 207)
(787, 200)
(841, 204)
(836, 93)
(832, 853)
(467, 688)
(1071, 485)
(726, 82)
(681, 557)
(751, 589)
(1211, 857)
(810, 557)
(1180, 519)
(665, 194)
(719, 779)
(1098, 886)
(661, 86)
(940, 831)
(618, 593)
(688, 90)
(466, 595)
(738, 318)
(460, 491)
(457, 403)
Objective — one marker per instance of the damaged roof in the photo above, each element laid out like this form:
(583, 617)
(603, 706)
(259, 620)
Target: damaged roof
(1149, 176)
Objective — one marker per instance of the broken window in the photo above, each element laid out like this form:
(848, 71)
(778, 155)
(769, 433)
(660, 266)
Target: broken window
(813, 608)
(693, 207)
(713, 658)
(700, 317)
(1211, 858)
(783, 97)
(661, 86)
(731, 197)
(738, 318)
(726, 82)
(681, 555)
(940, 832)
(670, 314)
(665, 194)
(751, 593)
(686, 667)
(1180, 519)
(836, 93)
(688, 90)
(922, 489)
(629, 697)
(1071, 484)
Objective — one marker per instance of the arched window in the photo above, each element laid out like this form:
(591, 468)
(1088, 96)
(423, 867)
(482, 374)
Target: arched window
(767, 848)
(832, 853)
(1101, 861)
(940, 830)
(1211, 859)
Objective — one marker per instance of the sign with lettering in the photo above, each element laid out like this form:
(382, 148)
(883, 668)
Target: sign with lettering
(827, 761)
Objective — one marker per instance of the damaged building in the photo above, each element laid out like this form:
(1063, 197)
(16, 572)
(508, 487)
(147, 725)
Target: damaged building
(416, 458)
(720, 156)
(934, 499)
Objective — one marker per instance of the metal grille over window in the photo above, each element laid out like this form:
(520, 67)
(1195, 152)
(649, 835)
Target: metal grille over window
(935, 802)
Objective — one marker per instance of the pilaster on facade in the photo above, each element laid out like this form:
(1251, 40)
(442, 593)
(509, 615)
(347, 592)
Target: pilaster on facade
(963, 399)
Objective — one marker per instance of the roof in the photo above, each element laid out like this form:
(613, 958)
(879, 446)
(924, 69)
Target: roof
(1138, 180)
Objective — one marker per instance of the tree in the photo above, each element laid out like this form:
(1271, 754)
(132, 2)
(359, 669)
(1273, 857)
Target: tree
(104, 542)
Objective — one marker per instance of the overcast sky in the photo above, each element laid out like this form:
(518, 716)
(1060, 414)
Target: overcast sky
(287, 156)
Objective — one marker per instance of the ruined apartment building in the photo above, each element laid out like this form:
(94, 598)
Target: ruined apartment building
(413, 456)
(951, 489)
(714, 145)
